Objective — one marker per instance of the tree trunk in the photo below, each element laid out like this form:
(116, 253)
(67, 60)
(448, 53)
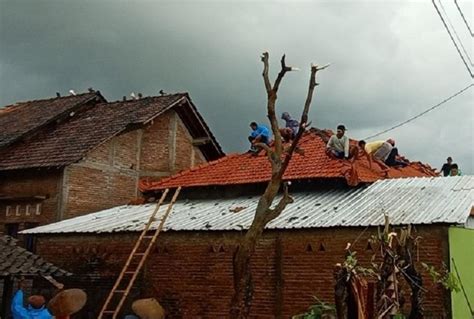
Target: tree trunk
(243, 286)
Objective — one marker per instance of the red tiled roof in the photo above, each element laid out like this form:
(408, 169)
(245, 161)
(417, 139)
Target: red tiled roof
(22, 118)
(71, 139)
(314, 164)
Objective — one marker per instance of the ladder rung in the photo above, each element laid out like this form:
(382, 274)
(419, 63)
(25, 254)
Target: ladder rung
(148, 236)
(119, 291)
(129, 272)
(139, 254)
(109, 311)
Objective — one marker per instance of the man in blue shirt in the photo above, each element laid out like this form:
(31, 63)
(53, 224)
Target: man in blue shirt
(260, 134)
(36, 306)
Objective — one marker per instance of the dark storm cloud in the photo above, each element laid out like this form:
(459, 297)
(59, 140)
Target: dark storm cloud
(388, 62)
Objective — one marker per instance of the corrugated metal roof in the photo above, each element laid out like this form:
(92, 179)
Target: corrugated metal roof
(406, 201)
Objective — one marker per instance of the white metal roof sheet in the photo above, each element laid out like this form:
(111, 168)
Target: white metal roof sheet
(406, 201)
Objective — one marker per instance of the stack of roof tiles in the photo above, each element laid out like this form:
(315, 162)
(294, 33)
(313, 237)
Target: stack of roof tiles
(314, 164)
(15, 260)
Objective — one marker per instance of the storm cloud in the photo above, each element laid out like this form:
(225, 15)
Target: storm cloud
(389, 61)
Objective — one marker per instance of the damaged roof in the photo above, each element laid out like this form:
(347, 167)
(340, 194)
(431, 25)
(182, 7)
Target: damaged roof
(405, 200)
(315, 163)
(15, 260)
(70, 140)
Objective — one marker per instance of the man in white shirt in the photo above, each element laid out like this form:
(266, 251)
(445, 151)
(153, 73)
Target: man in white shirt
(338, 144)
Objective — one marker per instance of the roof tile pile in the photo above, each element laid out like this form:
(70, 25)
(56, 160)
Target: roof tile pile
(15, 260)
(314, 164)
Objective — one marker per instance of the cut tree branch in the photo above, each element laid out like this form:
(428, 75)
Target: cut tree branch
(264, 213)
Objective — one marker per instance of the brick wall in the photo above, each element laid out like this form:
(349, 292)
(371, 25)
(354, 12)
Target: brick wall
(190, 273)
(25, 185)
(109, 174)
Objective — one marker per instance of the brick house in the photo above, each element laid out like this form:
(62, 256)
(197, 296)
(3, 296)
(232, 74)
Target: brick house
(190, 270)
(67, 156)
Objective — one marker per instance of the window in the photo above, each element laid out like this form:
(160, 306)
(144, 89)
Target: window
(30, 240)
(38, 209)
(17, 210)
(8, 211)
(28, 210)
(12, 229)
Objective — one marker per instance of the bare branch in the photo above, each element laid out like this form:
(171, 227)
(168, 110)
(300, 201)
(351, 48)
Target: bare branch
(266, 79)
(273, 213)
(270, 153)
(304, 116)
(282, 73)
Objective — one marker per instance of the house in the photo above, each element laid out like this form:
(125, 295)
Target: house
(68, 156)
(190, 269)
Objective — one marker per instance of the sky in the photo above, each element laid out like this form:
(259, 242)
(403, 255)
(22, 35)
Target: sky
(390, 60)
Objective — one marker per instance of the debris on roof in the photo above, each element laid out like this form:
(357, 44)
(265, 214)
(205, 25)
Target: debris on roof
(314, 164)
(405, 200)
(15, 260)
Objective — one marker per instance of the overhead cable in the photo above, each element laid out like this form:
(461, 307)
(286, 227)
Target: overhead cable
(422, 113)
(452, 39)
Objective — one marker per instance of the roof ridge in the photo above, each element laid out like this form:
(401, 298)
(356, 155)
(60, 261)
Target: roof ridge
(50, 99)
(144, 98)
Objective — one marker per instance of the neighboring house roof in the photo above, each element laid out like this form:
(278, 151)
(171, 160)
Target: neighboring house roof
(247, 169)
(405, 200)
(22, 118)
(70, 140)
(15, 260)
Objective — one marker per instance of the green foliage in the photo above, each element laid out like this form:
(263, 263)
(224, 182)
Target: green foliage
(444, 277)
(317, 311)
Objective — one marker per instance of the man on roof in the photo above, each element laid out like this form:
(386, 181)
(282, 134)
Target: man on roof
(385, 151)
(455, 171)
(288, 133)
(260, 134)
(338, 144)
(446, 169)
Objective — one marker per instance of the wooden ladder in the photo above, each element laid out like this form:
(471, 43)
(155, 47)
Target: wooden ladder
(118, 296)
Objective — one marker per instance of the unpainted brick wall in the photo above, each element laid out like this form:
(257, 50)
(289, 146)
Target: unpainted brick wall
(108, 176)
(30, 183)
(190, 273)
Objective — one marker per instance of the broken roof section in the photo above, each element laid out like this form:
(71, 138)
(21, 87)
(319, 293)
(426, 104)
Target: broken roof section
(70, 140)
(314, 164)
(415, 201)
(15, 260)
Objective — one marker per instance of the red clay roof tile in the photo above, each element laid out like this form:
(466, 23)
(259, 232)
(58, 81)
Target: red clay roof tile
(314, 164)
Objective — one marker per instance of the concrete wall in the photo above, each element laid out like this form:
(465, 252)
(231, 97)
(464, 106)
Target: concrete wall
(191, 274)
(461, 244)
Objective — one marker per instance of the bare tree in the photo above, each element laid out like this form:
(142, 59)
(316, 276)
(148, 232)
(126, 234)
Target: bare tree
(264, 213)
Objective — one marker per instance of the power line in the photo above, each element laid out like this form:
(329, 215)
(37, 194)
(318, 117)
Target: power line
(422, 113)
(452, 39)
(455, 33)
(463, 18)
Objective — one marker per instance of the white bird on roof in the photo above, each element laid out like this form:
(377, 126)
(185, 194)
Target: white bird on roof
(72, 92)
(133, 95)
